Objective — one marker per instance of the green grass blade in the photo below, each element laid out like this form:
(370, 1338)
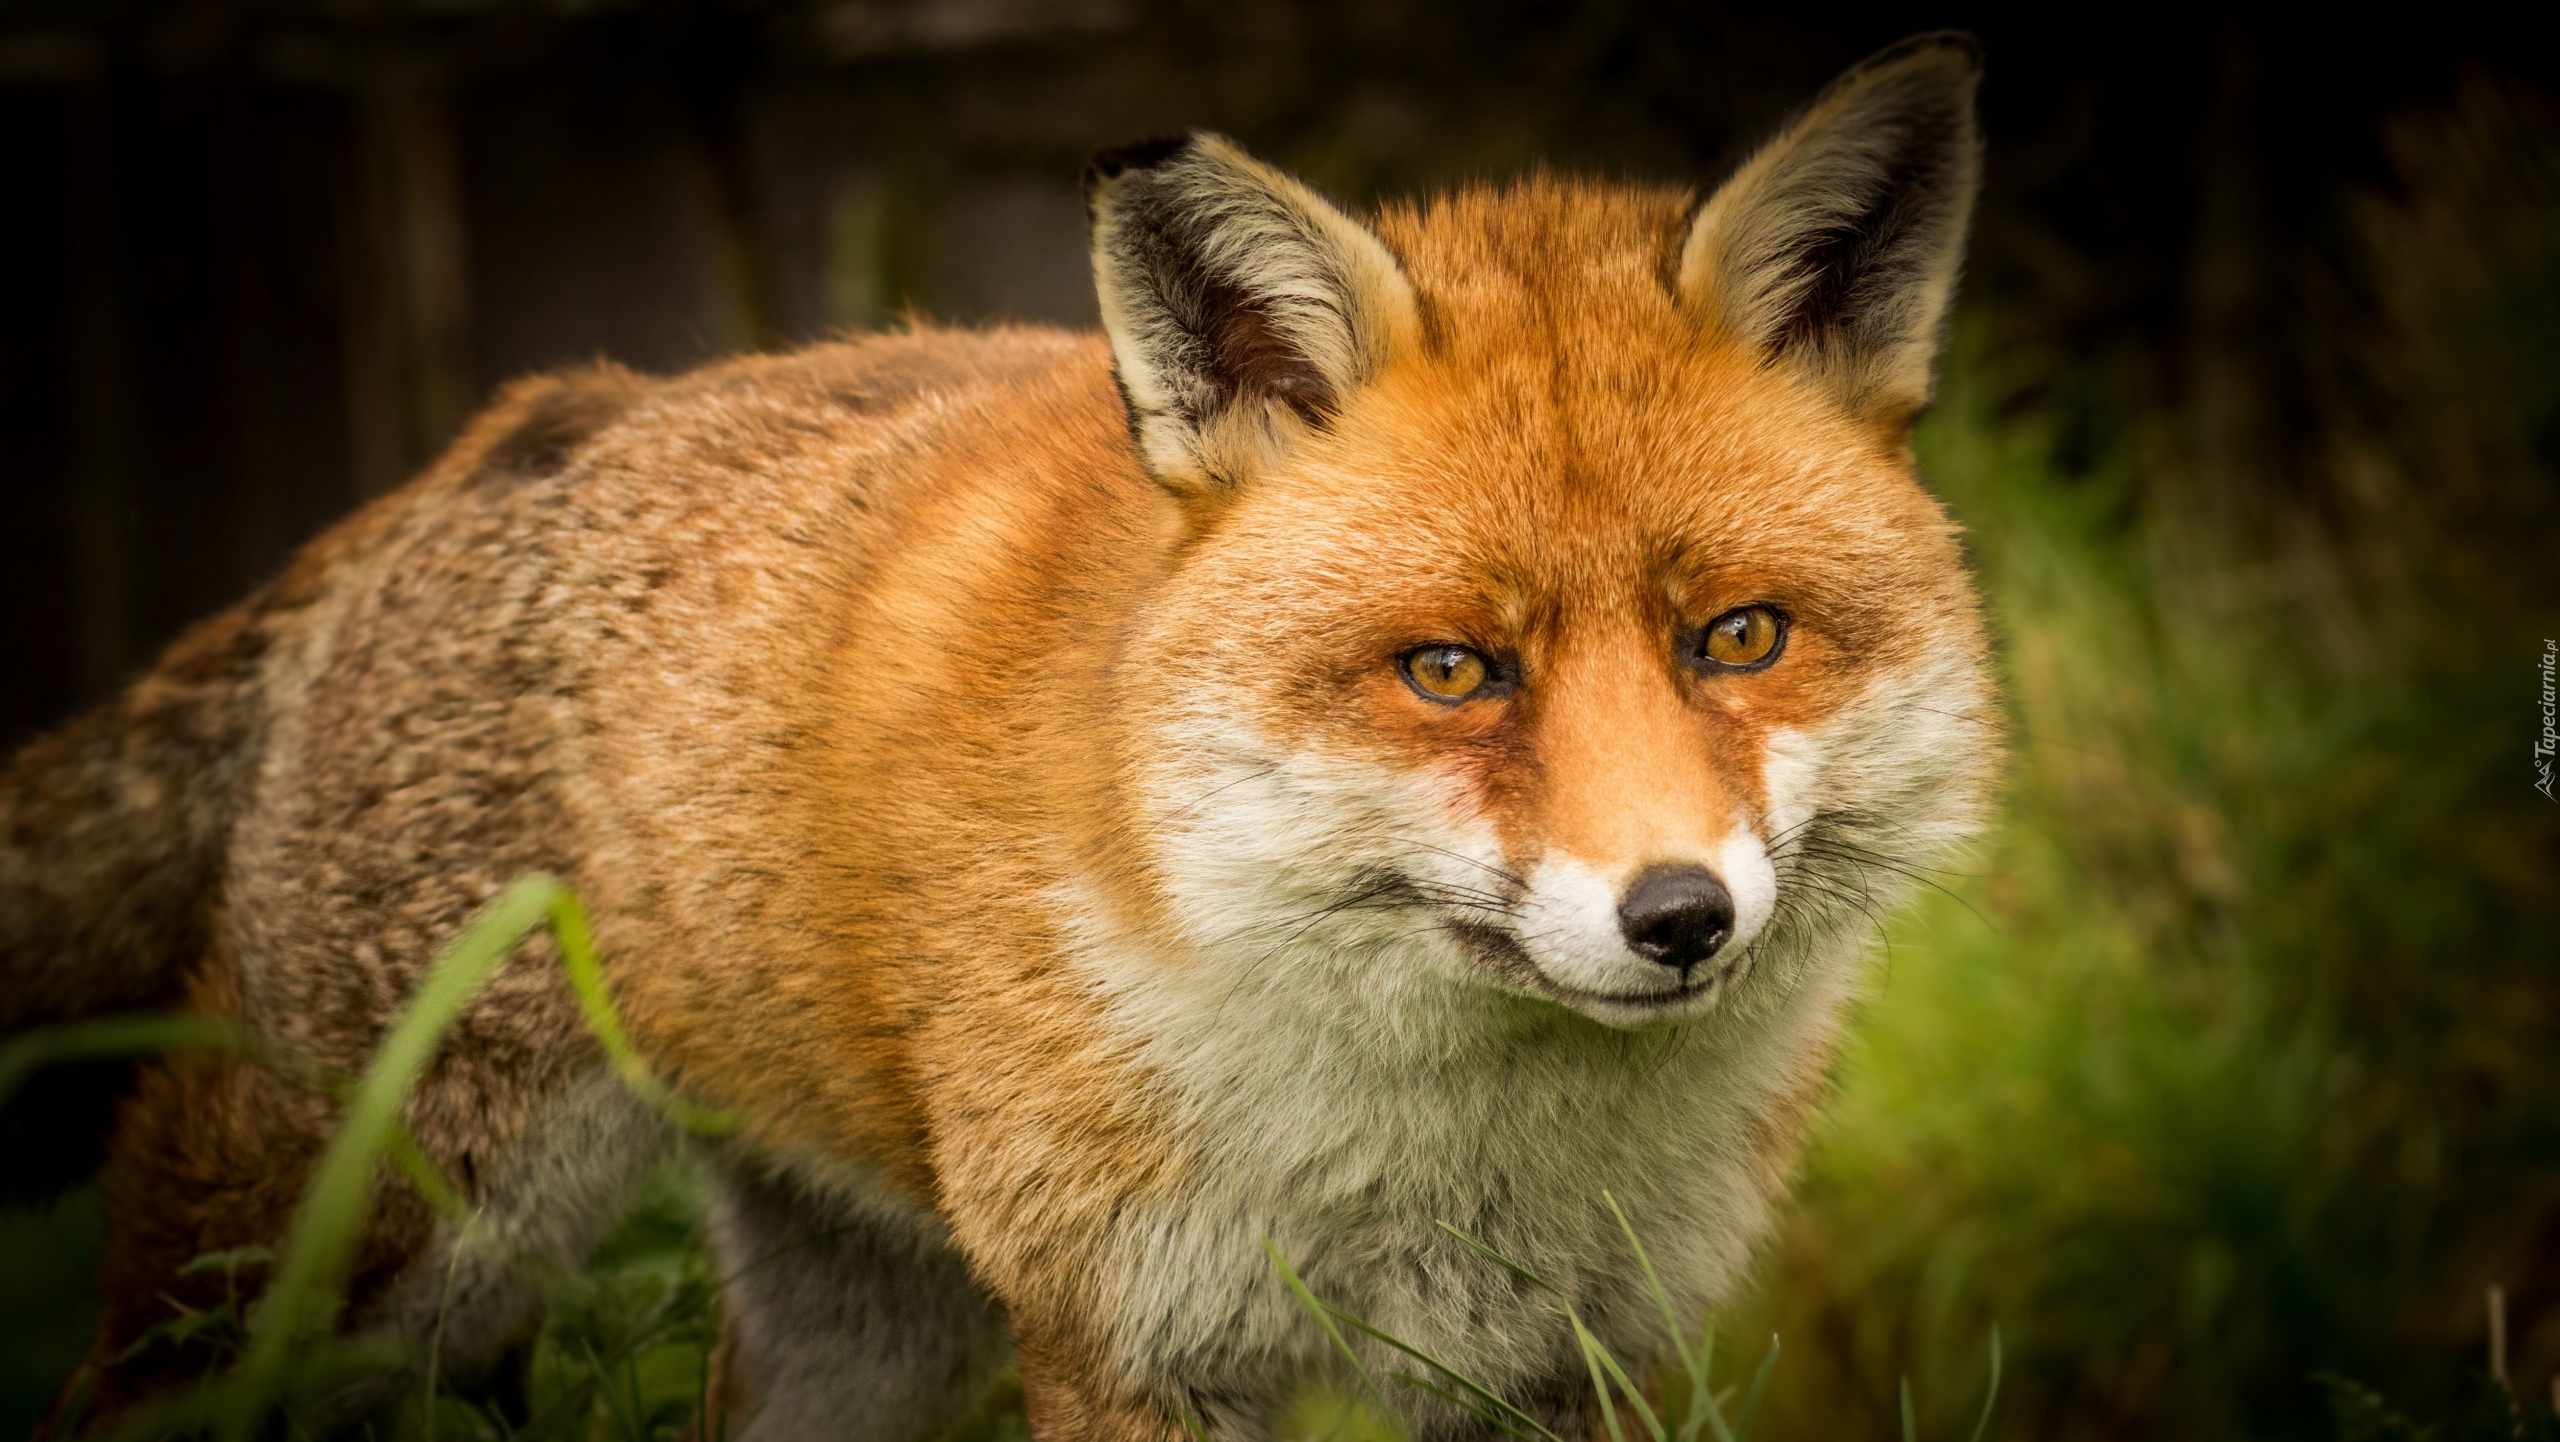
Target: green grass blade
(228, 1263)
(1706, 1409)
(1517, 1420)
(586, 977)
(143, 1034)
(303, 1297)
(1593, 1351)
(701, 1427)
(1703, 1413)
(403, 1152)
(1460, 1400)
(1991, 1396)
(1324, 1318)
(1910, 1424)
(153, 1034)
(1759, 1387)
(435, 1339)
(606, 1390)
(1485, 1251)
(1599, 1384)
(639, 1412)
(1661, 1296)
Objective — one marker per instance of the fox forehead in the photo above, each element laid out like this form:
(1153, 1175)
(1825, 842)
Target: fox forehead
(1574, 250)
(1571, 446)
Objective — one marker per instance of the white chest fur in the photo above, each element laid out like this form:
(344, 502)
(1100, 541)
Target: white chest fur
(1342, 1100)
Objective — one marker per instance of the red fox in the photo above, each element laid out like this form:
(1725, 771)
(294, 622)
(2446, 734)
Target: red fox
(1415, 722)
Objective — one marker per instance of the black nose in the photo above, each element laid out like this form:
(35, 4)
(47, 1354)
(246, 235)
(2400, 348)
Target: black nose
(1676, 915)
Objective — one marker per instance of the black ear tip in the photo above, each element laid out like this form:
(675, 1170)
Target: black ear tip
(1145, 154)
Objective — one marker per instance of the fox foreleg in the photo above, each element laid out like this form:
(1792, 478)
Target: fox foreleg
(846, 1322)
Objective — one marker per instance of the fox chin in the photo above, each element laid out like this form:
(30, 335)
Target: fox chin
(1414, 722)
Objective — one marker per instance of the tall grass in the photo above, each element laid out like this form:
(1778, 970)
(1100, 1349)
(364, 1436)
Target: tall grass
(644, 1313)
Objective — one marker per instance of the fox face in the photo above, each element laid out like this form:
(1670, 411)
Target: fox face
(1558, 612)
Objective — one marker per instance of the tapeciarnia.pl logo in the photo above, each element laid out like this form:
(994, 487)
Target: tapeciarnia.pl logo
(2543, 748)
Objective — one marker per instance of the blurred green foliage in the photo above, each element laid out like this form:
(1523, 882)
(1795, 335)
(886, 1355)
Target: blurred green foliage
(625, 1352)
(2228, 1058)
(48, 1301)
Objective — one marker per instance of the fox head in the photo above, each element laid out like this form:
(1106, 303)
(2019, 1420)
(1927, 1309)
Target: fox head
(1556, 607)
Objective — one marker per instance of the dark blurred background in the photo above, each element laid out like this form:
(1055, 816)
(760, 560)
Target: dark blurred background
(264, 258)
(2254, 379)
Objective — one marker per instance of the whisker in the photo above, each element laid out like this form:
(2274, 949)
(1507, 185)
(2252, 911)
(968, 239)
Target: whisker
(1925, 876)
(1914, 869)
(1259, 770)
(1500, 874)
(1465, 896)
(1854, 857)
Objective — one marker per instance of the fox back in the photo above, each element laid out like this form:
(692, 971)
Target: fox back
(1413, 724)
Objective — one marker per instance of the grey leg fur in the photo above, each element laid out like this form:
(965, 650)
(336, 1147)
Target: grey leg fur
(853, 1321)
(549, 1207)
(480, 1291)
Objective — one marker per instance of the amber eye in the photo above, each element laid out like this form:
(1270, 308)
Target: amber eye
(1744, 637)
(1446, 673)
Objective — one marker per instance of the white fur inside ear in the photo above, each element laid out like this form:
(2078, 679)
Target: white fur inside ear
(1241, 308)
(1835, 248)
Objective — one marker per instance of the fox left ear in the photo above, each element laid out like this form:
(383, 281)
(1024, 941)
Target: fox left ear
(1241, 307)
(1834, 250)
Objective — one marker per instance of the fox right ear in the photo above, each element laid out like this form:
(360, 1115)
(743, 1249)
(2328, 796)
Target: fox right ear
(1834, 250)
(1242, 308)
